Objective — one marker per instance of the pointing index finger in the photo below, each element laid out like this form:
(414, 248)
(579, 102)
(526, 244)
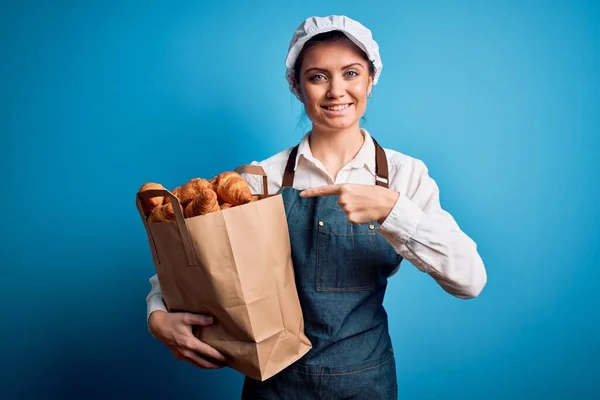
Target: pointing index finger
(321, 191)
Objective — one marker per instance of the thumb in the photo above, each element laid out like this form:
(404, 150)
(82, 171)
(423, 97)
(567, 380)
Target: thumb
(197, 319)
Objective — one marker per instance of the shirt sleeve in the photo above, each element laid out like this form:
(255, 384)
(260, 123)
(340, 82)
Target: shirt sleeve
(429, 237)
(154, 300)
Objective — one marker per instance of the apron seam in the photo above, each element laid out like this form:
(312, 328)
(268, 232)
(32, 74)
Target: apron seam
(320, 369)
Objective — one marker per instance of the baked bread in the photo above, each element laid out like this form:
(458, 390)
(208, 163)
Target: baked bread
(162, 213)
(205, 202)
(232, 188)
(148, 205)
(176, 192)
(192, 189)
(199, 196)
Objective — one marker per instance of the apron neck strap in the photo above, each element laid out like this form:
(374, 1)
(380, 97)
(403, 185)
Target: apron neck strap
(381, 167)
(288, 174)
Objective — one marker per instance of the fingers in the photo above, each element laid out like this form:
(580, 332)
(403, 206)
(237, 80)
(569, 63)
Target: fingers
(186, 346)
(200, 361)
(195, 359)
(202, 348)
(197, 319)
(187, 341)
(321, 191)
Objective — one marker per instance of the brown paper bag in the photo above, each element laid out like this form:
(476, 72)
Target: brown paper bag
(236, 265)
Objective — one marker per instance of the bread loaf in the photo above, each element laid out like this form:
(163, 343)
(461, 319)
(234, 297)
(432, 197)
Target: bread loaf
(148, 205)
(176, 192)
(232, 188)
(162, 213)
(192, 189)
(204, 203)
(199, 196)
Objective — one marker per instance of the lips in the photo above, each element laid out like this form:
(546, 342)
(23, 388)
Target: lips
(336, 107)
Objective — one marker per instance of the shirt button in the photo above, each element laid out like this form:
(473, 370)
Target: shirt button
(371, 226)
(321, 223)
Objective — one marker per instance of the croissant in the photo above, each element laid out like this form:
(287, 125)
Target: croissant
(204, 203)
(148, 205)
(162, 213)
(227, 205)
(232, 188)
(176, 192)
(192, 189)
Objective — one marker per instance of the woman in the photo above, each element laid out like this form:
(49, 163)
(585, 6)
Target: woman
(354, 212)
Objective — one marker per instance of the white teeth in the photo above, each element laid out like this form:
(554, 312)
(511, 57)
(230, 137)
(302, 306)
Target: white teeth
(338, 107)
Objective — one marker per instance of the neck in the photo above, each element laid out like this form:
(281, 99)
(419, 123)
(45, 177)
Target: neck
(336, 148)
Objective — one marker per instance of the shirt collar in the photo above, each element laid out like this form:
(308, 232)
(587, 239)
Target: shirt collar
(364, 158)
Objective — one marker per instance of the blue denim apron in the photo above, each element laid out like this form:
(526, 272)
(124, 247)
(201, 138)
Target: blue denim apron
(341, 272)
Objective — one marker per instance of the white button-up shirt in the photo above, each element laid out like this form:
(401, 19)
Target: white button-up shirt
(417, 226)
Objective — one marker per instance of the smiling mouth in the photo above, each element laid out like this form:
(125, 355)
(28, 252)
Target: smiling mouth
(337, 107)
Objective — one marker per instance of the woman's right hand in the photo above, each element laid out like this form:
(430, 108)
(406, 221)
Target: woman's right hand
(175, 331)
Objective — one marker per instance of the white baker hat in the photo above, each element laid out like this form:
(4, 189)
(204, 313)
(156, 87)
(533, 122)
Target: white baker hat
(354, 30)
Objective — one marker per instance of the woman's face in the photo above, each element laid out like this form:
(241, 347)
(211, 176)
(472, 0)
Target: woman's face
(334, 83)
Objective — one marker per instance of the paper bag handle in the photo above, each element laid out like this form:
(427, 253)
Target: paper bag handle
(179, 219)
(255, 170)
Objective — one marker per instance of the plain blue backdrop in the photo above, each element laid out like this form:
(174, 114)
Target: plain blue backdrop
(501, 100)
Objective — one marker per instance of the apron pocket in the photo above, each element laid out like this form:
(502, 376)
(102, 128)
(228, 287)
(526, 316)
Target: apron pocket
(347, 255)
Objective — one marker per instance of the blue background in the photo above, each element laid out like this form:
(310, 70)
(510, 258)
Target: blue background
(500, 99)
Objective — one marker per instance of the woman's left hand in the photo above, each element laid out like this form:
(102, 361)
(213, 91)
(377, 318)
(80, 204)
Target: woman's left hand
(361, 203)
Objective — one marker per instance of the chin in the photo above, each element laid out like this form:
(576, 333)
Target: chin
(340, 124)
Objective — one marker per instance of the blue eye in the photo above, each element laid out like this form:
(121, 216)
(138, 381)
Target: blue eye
(315, 78)
(354, 74)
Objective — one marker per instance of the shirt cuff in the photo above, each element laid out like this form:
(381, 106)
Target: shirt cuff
(155, 303)
(401, 223)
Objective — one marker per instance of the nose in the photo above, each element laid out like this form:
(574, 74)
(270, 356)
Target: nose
(337, 88)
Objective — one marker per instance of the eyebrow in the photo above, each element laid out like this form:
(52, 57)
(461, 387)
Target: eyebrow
(322, 69)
